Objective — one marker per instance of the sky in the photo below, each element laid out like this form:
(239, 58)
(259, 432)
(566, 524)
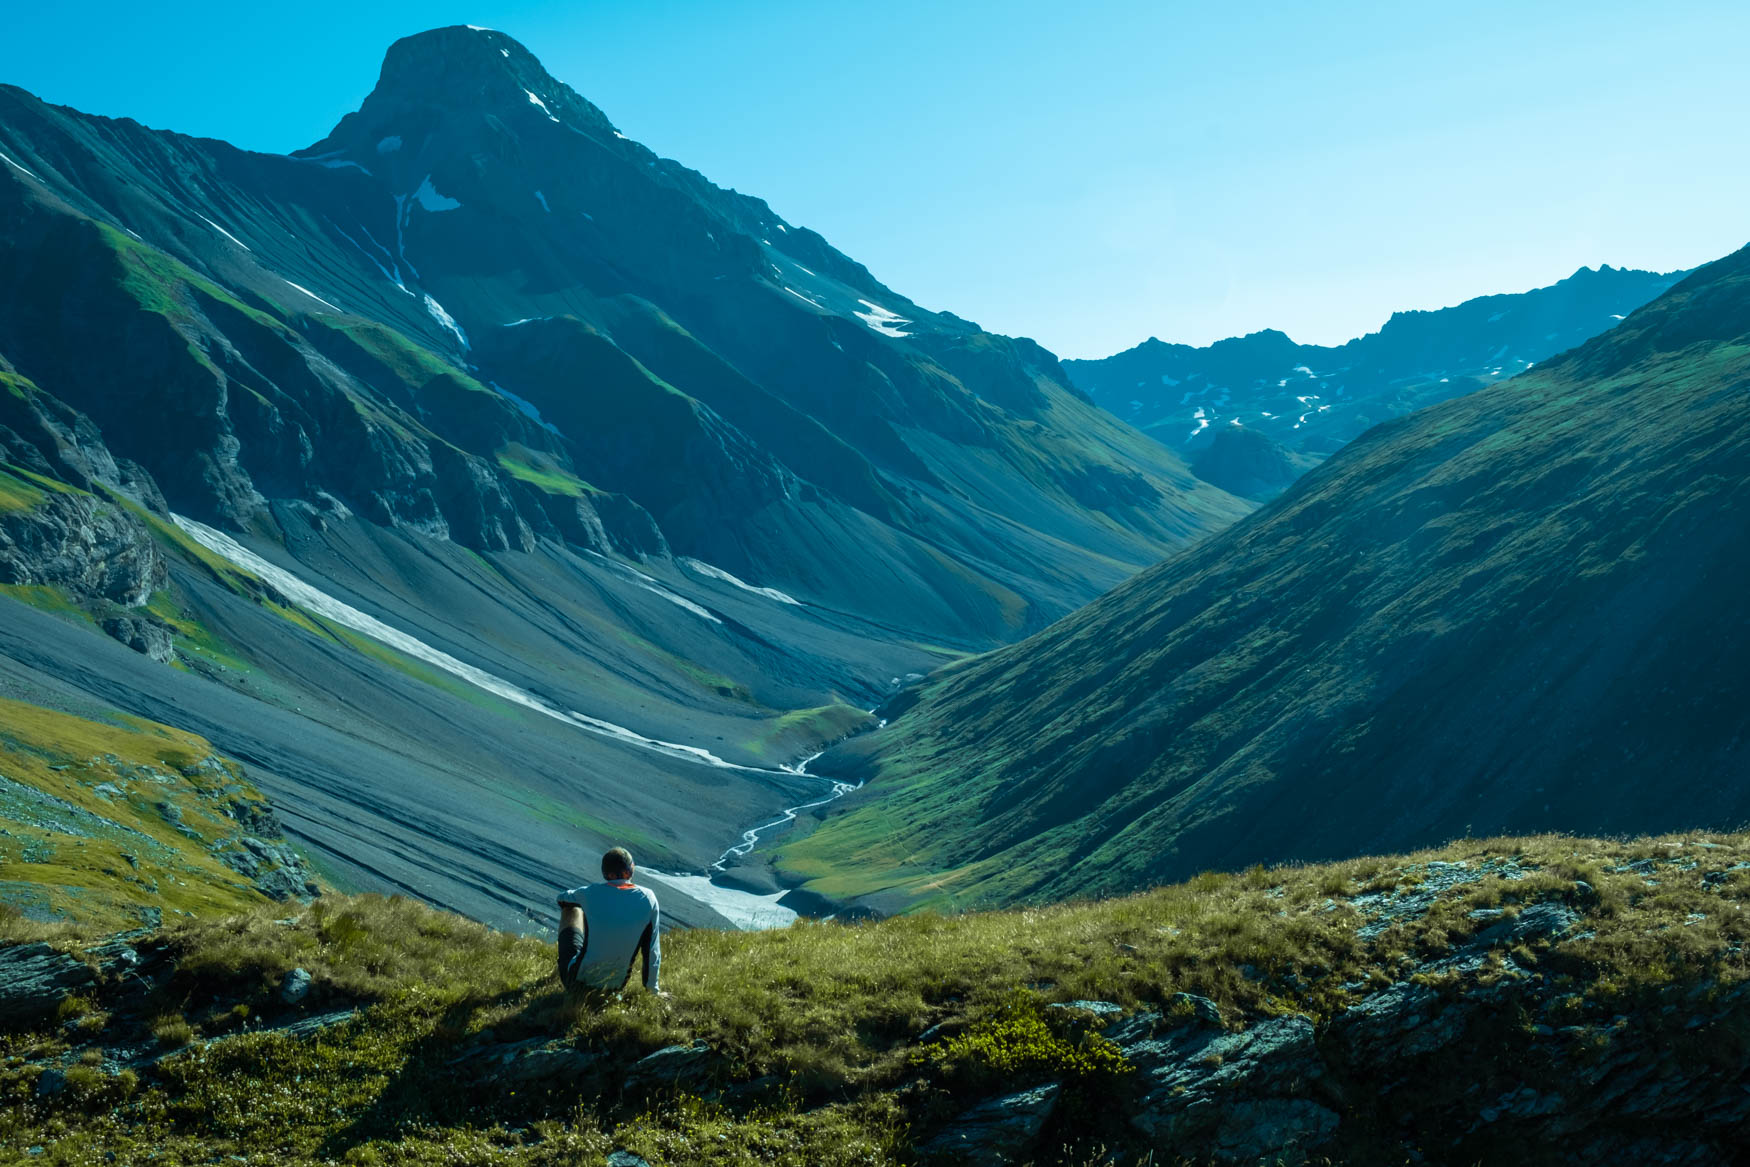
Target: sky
(1085, 174)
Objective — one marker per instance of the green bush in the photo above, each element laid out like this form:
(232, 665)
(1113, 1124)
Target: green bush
(1013, 1044)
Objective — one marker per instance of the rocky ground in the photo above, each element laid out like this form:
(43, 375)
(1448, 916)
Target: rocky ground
(1534, 1001)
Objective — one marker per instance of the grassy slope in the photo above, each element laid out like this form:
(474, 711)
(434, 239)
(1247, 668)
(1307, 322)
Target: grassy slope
(98, 819)
(1534, 580)
(836, 1014)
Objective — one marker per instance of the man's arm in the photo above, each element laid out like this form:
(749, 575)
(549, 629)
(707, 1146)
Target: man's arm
(652, 945)
(573, 940)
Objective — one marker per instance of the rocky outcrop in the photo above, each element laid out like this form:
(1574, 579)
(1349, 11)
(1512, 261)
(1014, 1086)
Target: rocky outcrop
(999, 1131)
(36, 978)
(91, 548)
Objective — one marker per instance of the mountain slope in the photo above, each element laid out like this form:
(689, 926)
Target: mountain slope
(1539, 1001)
(1517, 610)
(497, 490)
(1314, 398)
(471, 193)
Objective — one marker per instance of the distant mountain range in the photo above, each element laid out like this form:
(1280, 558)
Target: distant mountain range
(497, 489)
(1309, 400)
(1516, 611)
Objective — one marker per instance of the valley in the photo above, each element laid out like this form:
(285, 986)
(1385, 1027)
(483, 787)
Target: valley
(496, 490)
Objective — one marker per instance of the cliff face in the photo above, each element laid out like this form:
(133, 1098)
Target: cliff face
(1539, 1001)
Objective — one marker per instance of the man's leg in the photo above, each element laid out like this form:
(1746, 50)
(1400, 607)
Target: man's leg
(573, 939)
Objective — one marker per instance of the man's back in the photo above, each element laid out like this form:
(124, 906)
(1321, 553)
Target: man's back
(620, 920)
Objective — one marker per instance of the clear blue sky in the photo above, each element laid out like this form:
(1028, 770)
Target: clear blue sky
(1087, 174)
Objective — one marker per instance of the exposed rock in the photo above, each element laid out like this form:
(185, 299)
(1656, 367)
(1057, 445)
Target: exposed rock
(1242, 1094)
(1202, 1008)
(34, 978)
(1536, 922)
(689, 1067)
(537, 1059)
(999, 1131)
(1099, 1008)
(626, 1159)
(93, 549)
(143, 635)
(295, 987)
(307, 1026)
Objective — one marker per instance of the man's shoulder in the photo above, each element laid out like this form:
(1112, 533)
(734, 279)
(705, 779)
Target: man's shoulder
(649, 893)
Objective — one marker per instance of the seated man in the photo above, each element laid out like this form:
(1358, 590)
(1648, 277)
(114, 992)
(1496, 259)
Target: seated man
(604, 926)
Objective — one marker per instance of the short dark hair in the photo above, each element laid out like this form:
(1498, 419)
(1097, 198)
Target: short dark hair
(617, 864)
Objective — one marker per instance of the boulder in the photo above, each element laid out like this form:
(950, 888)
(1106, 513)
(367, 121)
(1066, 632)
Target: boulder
(34, 978)
(537, 1059)
(687, 1067)
(1244, 1094)
(295, 987)
(999, 1131)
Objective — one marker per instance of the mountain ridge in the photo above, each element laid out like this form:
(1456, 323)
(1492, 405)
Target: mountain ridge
(1265, 381)
(1486, 615)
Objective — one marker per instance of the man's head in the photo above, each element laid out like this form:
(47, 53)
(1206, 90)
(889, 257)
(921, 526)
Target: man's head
(617, 864)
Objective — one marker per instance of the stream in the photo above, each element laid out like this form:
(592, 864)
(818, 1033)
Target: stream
(746, 910)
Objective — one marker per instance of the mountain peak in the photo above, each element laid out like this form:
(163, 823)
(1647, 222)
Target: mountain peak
(461, 69)
(459, 65)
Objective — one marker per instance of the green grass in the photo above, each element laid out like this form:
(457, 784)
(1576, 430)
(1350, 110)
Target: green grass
(520, 464)
(16, 494)
(109, 845)
(161, 284)
(784, 736)
(834, 1014)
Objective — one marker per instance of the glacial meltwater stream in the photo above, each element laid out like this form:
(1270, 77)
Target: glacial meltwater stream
(746, 910)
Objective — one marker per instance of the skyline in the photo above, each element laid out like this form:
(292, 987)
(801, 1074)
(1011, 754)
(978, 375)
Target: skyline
(1087, 179)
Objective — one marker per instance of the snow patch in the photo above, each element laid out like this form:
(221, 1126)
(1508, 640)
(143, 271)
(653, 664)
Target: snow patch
(32, 173)
(533, 100)
(800, 296)
(1169, 382)
(342, 163)
(428, 197)
(444, 318)
(881, 320)
(311, 294)
(1202, 423)
(221, 231)
(390, 144)
(542, 199)
(393, 277)
(705, 569)
(315, 600)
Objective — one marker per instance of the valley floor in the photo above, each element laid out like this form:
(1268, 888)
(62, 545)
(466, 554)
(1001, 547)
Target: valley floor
(1536, 1000)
